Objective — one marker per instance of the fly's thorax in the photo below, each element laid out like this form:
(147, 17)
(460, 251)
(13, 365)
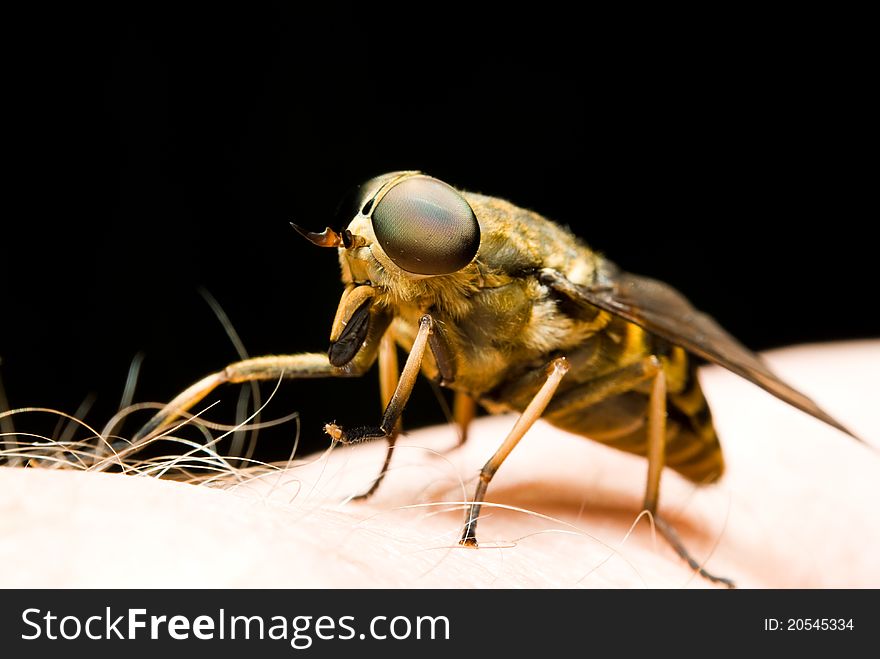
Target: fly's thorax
(496, 332)
(516, 240)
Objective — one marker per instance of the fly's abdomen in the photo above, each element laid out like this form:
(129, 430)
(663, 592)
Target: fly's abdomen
(692, 446)
(695, 452)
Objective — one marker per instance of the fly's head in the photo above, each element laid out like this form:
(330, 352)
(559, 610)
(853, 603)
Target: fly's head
(408, 235)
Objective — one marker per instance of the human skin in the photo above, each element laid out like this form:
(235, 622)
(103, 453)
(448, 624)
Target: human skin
(796, 507)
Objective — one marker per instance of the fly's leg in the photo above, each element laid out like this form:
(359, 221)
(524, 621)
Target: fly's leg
(578, 400)
(464, 409)
(357, 329)
(426, 336)
(273, 367)
(656, 460)
(555, 372)
(388, 381)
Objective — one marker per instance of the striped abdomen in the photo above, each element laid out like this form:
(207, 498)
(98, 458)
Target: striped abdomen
(692, 446)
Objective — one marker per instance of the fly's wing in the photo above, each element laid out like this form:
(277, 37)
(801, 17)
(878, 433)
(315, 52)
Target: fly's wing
(662, 310)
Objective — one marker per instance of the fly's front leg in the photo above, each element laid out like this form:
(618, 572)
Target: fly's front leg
(388, 381)
(355, 337)
(555, 372)
(393, 410)
(397, 389)
(273, 367)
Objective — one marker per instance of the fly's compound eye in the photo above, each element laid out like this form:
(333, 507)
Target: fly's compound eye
(426, 227)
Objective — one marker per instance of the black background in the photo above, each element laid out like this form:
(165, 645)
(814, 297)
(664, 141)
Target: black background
(152, 152)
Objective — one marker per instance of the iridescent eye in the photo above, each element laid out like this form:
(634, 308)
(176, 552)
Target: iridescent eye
(426, 227)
